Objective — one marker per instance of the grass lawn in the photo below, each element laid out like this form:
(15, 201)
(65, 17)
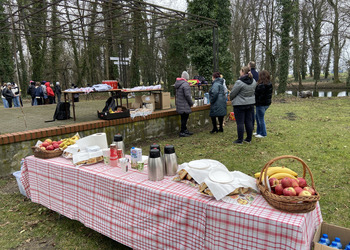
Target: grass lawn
(315, 129)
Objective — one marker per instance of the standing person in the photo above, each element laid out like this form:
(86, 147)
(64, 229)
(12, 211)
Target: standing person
(243, 99)
(4, 101)
(255, 74)
(218, 104)
(39, 94)
(8, 94)
(43, 87)
(183, 102)
(263, 96)
(50, 93)
(16, 94)
(54, 94)
(31, 92)
(58, 92)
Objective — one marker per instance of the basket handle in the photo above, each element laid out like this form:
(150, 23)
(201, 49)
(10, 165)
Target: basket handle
(268, 164)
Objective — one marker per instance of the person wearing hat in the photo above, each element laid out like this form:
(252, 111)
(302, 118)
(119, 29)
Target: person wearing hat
(7, 93)
(183, 102)
(4, 101)
(58, 91)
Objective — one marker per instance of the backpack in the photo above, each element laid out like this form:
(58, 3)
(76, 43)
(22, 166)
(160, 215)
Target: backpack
(62, 111)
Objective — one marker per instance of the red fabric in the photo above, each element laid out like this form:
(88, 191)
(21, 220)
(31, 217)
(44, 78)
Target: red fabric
(49, 89)
(160, 215)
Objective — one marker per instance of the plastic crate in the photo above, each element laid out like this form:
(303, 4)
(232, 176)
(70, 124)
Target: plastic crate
(112, 83)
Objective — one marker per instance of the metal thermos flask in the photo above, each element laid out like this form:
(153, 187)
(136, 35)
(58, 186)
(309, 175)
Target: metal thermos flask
(157, 146)
(118, 140)
(170, 160)
(155, 166)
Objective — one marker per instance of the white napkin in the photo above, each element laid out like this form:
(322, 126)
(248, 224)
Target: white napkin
(220, 190)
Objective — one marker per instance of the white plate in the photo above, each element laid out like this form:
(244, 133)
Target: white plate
(198, 164)
(220, 176)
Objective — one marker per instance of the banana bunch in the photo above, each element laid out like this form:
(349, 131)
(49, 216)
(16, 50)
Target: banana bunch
(278, 173)
(69, 141)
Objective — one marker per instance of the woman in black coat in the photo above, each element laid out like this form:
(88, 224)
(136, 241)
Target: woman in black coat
(183, 102)
(263, 96)
(218, 104)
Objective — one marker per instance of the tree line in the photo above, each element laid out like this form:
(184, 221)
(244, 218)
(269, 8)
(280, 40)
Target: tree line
(72, 41)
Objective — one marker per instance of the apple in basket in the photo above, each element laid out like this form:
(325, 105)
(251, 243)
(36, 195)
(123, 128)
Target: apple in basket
(45, 144)
(302, 182)
(304, 193)
(294, 183)
(48, 141)
(310, 189)
(286, 182)
(298, 190)
(279, 189)
(273, 182)
(55, 145)
(50, 147)
(289, 191)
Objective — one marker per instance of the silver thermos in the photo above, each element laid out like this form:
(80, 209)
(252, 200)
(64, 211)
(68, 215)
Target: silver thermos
(118, 140)
(155, 165)
(170, 160)
(157, 146)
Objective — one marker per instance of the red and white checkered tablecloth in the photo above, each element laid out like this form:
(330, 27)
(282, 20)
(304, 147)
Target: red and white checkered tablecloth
(160, 215)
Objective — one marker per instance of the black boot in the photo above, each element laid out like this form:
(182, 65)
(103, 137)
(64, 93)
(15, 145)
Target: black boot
(214, 130)
(188, 132)
(183, 134)
(221, 130)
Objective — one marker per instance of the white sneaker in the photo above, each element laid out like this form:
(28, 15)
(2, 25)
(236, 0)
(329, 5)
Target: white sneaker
(259, 136)
(254, 133)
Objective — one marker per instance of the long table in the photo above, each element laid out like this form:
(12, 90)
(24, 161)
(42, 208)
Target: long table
(118, 93)
(160, 215)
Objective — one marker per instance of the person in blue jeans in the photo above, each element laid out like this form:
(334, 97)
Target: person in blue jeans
(243, 99)
(263, 96)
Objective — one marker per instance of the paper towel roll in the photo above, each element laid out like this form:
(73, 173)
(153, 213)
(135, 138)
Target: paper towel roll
(99, 139)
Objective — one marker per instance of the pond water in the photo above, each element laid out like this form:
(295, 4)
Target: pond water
(321, 93)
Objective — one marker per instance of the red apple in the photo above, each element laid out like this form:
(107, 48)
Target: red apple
(45, 144)
(310, 189)
(273, 182)
(55, 145)
(53, 142)
(59, 142)
(50, 147)
(304, 193)
(295, 183)
(302, 182)
(289, 191)
(279, 189)
(286, 182)
(298, 190)
(48, 140)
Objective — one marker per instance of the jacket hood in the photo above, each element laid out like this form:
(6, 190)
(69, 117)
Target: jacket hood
(179, 82)
(47, 84)
(246, 79)
(219, 80)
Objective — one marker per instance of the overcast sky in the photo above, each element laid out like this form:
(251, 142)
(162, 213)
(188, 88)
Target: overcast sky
(172, 4)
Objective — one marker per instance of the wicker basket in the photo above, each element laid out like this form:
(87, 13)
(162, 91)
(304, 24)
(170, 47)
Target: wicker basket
(292, 204)
(46, 154)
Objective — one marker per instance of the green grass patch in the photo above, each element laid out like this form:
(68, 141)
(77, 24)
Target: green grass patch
(314, 129)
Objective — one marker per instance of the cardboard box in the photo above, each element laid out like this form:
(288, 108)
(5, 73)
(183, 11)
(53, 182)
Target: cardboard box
(332, 231)
(138, 99)
(162, 100)
(136, 105)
